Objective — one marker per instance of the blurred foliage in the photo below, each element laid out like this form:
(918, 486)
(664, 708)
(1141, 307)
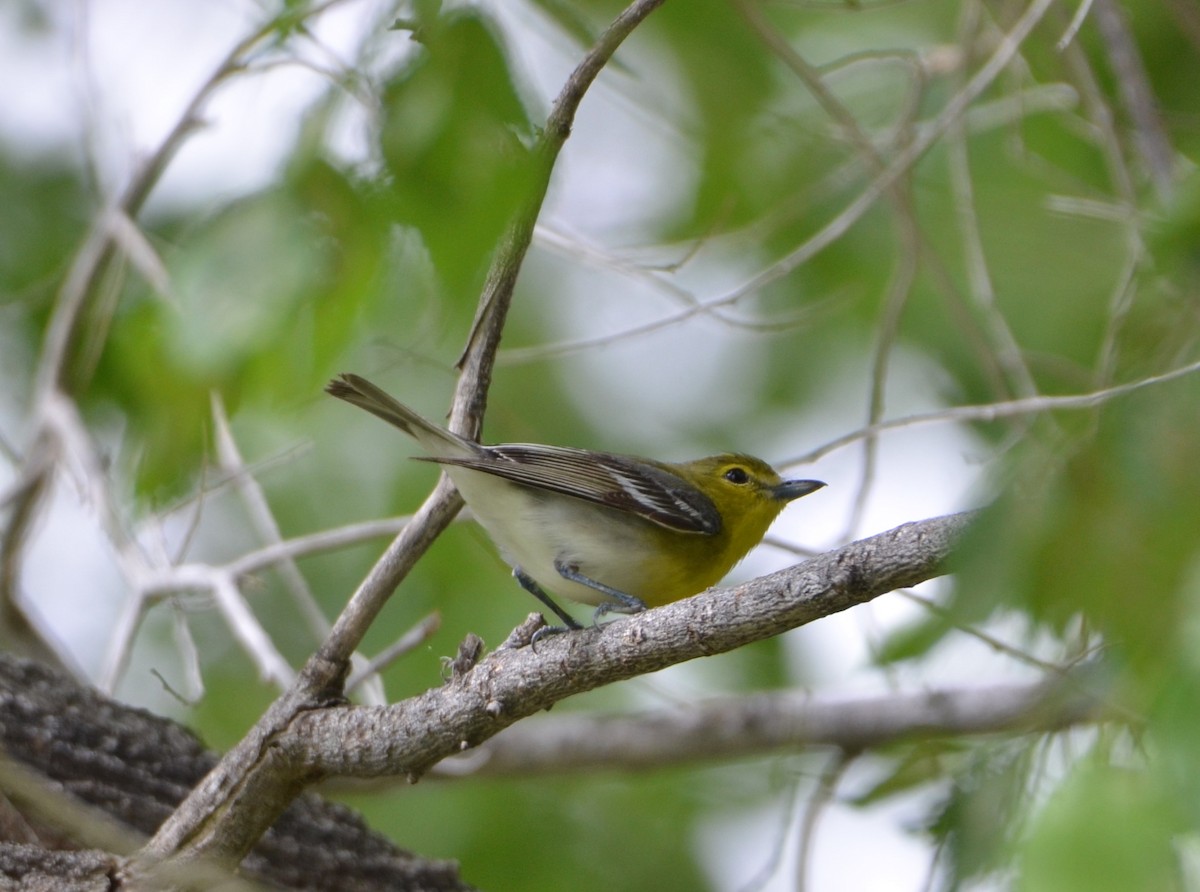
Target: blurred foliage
(543, 834)
(453, 122)
(46, 210)
(1091, 538)
(1076, 844)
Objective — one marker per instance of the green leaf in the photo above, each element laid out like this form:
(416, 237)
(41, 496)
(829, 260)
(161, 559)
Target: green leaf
(1092, 534)
(1106, 828)
(917, 765)
(452, 140)
(983, 812)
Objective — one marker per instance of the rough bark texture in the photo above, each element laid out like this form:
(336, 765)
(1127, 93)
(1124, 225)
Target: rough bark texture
(136, 768)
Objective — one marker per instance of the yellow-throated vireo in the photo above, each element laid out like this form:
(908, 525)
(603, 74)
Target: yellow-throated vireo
(614, 531)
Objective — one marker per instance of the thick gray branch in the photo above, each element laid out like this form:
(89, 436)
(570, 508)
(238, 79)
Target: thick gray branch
(739, 727)
(409, 737)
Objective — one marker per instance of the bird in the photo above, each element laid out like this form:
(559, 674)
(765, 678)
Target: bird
(617, 532)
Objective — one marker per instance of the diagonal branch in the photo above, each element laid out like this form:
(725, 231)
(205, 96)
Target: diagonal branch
(409, 738)
(993, 411)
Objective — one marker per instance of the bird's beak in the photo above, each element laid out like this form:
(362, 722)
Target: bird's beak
(794, 489)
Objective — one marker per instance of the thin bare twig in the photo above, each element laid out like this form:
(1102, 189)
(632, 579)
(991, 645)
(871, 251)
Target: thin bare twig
(1108, 141)
(1076, 23)
(994, 411)
(405, 644)
(978, 634)
(1133, 83)
(316, 543)
(820, 799)
(903, 276)
(925, 138)
(980, 116)
(230, 461)
(761, 877)
(272, 667)
(981, 291)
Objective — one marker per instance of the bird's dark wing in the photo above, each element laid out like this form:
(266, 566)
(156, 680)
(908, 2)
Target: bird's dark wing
(627, 484)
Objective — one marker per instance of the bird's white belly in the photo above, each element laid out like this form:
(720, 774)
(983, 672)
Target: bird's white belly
(534, 530)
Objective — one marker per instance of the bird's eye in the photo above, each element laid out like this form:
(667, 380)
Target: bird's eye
(737, 475)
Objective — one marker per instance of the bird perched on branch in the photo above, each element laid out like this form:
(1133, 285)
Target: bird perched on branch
(618, 532)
